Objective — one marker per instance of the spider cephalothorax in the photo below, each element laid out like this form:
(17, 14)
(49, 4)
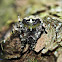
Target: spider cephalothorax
(30, 29)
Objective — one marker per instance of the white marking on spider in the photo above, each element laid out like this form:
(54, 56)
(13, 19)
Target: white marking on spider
(18, 18)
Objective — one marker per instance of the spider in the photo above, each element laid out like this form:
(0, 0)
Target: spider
(30, 30)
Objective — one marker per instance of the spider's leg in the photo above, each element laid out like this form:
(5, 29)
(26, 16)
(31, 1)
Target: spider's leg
(22, 46)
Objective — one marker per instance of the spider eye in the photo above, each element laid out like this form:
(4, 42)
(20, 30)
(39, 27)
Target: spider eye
(24, 21)
(38, 20)
(33, 19)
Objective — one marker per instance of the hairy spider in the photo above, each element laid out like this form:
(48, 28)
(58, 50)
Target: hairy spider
(30, 30)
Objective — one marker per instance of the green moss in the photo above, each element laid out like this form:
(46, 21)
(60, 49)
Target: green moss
(32, 60)
(7, 12)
